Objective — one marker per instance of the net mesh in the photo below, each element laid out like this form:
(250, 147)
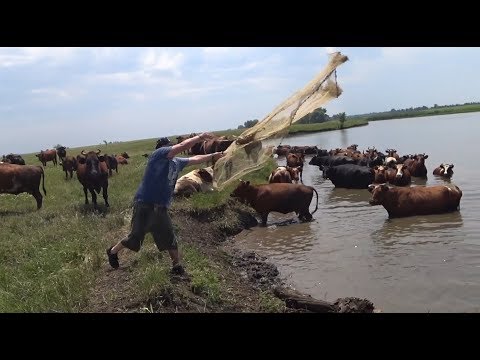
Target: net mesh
(252, 149)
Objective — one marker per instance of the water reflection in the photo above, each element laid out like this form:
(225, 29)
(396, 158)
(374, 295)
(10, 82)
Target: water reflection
(444, 179)
(433, 227)
(280, 240)
(414, 264)
(422, 181)
(339, 195)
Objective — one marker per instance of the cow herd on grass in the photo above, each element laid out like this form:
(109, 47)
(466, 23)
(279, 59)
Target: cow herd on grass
(388, 176)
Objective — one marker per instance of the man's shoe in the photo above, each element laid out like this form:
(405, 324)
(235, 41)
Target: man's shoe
(112, 258)
(178, 270)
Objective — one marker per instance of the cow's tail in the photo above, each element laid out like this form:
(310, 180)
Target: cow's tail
(43, 181)
(316, 207)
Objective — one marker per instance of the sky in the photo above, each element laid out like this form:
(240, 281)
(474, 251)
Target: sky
(83, 96)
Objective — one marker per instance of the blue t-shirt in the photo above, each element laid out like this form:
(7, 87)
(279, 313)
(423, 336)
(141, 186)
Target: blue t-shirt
(160, 177)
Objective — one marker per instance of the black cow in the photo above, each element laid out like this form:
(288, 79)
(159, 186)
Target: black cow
(61, 152)
(331, 160)
(92, 172)
(350, 176)
(13, 159)
(164, 141)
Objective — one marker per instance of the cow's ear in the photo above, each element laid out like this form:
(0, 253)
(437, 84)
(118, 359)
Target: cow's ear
(371, 187)
(451, 166)
(247, 183)
(101, 158)
(425, 157)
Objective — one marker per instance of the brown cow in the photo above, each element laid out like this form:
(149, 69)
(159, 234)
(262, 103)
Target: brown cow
(380, 174)
(121, 159)
(198, 180)
(282, 150)
(47, 155)
(112, 164)
(69, 165)
(296, 160)
(444, 170)
(92, 172)
(278, 197)
(16, 179)
(125, 155)
(399, 175)
(284, 174)
(418, 200)
(416, 165)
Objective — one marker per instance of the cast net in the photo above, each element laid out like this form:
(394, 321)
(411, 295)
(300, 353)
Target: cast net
(252, 149)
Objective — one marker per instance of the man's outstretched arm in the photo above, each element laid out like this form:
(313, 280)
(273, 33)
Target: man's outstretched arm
(188, 143)
(198, 159)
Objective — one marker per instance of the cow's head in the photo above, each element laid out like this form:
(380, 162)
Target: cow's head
(447, 169)
(294, 173)
(421, 158)
(92, 161)
(242, 191)
(378, 193)
(206, 174)
(400, 169)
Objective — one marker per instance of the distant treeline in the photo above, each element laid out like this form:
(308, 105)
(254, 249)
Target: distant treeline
(320, 115)
(317, 116)
(419, 111)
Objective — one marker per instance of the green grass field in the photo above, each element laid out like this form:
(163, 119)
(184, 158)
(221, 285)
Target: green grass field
(49, 258)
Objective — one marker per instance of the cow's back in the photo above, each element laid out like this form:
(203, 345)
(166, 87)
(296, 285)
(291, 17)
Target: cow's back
(424, 200)
(283, 197)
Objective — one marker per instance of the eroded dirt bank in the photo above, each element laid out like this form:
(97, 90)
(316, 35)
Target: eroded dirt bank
(221, 277)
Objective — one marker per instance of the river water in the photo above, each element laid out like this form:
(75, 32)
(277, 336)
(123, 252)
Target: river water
(414, 264)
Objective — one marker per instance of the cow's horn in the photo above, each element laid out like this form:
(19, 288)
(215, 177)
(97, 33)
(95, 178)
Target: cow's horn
(83, 152)
(99, 151)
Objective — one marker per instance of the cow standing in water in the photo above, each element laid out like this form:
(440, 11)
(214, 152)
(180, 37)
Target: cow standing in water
(92, 172)
(284, 174)
(444, 170)
(278, 197)
(416, 165)
(296, 160)
(418, 200)
(16, 179)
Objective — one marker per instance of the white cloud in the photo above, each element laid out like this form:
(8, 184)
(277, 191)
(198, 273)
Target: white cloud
(216, 50)
(162, 60)
(106, 53)
(221, 53)
(51, 95)
(55, 92)
(23, 56)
